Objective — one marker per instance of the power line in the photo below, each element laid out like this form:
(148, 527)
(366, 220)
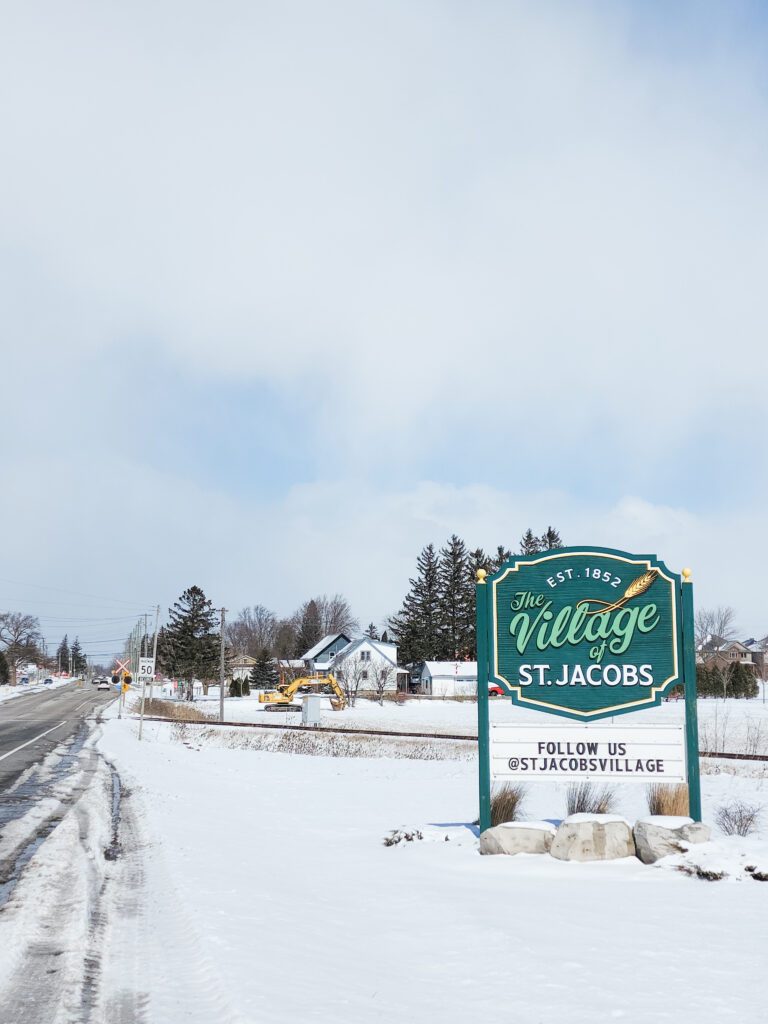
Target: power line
(77, 593)
(85, 620)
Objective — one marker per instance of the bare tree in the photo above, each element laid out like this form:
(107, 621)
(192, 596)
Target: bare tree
(714, 629)
(20, 638)
(254, 629)
(382, 675)
(336, 615)
(352, 672)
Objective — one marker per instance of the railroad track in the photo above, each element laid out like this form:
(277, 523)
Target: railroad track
(399, 735)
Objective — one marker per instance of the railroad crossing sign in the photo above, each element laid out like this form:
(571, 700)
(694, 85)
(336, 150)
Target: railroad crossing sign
(122, 666)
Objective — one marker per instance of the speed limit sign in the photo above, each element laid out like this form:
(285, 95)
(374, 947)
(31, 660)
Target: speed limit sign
(146, 669)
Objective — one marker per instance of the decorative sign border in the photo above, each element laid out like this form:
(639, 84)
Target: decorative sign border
(651, 698)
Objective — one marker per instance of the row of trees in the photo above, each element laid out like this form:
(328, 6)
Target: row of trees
(437, 618)
(258, 629)
(22, 644)
(71, 659)
(737, 680)
(189, 644)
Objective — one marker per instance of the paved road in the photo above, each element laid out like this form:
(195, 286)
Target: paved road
(32, 725)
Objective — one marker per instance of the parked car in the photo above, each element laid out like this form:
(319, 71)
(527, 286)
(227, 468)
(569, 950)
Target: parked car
(494, 690)
(102, 685)
(48, 681)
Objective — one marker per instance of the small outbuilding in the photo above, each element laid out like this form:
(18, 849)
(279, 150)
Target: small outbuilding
(449, 678)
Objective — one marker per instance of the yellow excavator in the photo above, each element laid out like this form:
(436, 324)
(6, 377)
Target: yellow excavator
(282, 698)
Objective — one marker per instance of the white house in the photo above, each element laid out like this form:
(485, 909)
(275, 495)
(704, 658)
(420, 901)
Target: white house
(361, 664)
(449, 678)
(242, 665)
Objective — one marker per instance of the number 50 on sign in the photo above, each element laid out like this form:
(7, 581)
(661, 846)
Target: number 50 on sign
(146, 669)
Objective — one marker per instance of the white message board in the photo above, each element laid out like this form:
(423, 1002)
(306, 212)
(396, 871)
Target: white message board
(623, 753)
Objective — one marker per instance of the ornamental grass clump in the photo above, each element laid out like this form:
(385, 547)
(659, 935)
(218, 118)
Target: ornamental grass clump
(587, 798)
(507, 803)
(667, 801)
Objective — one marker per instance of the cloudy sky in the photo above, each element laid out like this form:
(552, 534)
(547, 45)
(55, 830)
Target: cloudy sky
(291, 289)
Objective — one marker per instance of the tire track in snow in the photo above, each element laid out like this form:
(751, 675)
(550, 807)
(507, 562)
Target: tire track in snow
(156, 970)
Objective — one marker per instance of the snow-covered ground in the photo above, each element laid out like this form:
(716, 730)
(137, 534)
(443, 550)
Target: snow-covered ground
(267, 894)
(255, 886)
(737, 726)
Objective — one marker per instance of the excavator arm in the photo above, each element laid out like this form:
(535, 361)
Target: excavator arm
(285, 693)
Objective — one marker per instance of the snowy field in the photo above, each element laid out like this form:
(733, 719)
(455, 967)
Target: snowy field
(736, 726)
(255, 886)
(268, 895)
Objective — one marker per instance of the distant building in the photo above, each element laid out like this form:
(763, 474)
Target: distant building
(718, 653)
(449, 678)
(241, 666)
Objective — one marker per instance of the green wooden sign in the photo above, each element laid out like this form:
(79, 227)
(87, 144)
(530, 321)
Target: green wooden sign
(585, 633)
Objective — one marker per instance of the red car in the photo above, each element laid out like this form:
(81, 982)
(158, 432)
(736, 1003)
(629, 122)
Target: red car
(494, 690)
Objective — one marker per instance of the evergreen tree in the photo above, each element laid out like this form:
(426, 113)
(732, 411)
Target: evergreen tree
(310, 628)
(79, 660)
(703, 681)
(163, 653)
(385, 637)
(529, 543)
(416, 627)
(372, 633)
(502, 555)
(550, 540)
(245, 689)
(741, 681)
(5, 672)
(191, 647)
(235, 688)
(263, 674)
(62, 655)
(717, 682)
(285, 639)
(456, 603)
(478, 559)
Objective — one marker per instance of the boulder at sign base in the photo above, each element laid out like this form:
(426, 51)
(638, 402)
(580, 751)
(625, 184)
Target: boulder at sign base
(657, 836)
(585, 837)
(518, 837)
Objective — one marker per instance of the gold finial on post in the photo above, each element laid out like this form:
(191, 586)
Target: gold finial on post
(687, 575)
(481, 574)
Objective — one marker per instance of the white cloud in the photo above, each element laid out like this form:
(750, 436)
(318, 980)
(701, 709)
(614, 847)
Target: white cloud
(403, 206)
(499, 227)
(153, 535)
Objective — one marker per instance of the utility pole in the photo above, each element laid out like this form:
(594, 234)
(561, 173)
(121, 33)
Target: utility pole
(143, 678)
(154, 652)
(221, 669)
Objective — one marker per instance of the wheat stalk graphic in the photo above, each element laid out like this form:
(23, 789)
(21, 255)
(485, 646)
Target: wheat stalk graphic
(635, 589)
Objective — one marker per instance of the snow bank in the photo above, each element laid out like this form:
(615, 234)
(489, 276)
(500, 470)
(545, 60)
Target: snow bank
(728, 858)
